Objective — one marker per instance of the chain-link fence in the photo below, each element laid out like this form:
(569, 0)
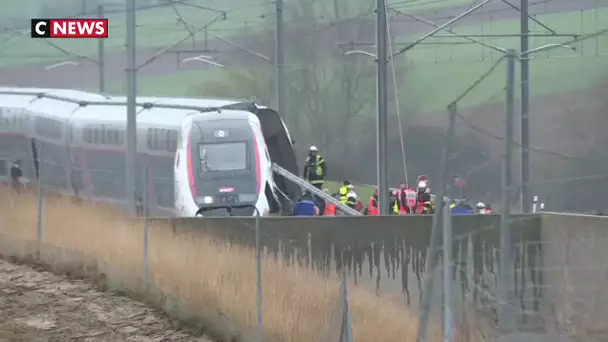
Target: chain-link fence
(193, 269)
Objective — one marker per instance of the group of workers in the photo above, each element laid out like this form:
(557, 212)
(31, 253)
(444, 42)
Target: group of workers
(403, 201)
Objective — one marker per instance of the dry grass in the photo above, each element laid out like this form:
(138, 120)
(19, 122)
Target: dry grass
(211, 276)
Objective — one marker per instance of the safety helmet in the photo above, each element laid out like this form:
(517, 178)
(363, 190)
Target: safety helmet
(480, 205)
(422, 185)
(313, 148)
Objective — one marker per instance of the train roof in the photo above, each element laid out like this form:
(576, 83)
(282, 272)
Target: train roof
(69, 93)
(71, 105)
(28, 99)
(190, 101)
(229, 114)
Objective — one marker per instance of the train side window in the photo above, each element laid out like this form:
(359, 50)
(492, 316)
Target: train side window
(121, 138)
(172, 140)
(95, 136)
(87, 135)
(150, 137)
(48, 128)
(179, 143)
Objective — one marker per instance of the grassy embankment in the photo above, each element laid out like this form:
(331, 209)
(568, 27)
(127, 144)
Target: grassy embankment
(210, 275)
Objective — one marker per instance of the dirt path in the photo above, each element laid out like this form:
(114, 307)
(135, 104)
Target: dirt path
(40, 306)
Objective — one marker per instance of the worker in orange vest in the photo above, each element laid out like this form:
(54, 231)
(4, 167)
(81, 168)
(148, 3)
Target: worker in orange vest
(330, 208)
(372, 207)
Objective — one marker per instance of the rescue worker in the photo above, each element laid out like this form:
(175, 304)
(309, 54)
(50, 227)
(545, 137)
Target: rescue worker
(321, 203)
(427, 208)
(422, 197)
(314, 168)
(410, 201)
(488, 209)
(395, 205)
(16, 174)
(330, 208)
(343, 192)
(305, 206)
(372, 206)
(351, 197)
(480, 208)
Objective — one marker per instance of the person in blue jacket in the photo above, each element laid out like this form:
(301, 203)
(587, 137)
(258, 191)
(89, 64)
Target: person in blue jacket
(462, 209)
(305, 206)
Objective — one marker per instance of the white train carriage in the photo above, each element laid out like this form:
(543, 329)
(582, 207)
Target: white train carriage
(222, 160)
(276, 137)
(83, 146)
(100, 139)
(30, 123)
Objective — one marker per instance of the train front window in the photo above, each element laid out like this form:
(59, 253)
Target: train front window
(221, 157)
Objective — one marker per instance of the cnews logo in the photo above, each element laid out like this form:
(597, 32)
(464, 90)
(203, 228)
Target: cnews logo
(69, 28)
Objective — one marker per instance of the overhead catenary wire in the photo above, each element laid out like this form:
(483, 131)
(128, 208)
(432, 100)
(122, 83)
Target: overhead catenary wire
(396, 91)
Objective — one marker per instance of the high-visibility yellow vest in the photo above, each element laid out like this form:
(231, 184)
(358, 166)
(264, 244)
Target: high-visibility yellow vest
(343, 193)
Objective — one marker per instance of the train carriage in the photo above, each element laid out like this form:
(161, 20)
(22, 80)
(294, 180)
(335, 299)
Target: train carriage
(81, 146)
(43, 134)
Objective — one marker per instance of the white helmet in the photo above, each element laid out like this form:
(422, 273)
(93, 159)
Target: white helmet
(422, 185)
(313, 148)
(480, 205)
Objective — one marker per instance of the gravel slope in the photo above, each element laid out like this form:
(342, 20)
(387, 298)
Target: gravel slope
(40, 306)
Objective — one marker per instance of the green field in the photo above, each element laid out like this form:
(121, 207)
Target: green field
(438, 74)
(159, 27)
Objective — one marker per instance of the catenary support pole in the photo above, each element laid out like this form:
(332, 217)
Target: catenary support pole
(279, 61)
(101, 55)
(145, 212)
(40, 223)
(448, 326)
(505, 318)
(382, 124)
(131, 110)
(525, 105)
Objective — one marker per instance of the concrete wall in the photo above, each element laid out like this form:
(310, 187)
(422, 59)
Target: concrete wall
(575, 269)
(387, 255)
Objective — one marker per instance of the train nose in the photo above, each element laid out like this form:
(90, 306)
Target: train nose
(217, 211)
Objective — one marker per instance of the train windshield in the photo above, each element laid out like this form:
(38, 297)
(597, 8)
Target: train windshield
(223, 157)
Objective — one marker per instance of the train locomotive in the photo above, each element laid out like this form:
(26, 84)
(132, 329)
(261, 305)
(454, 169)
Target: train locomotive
(76, 141)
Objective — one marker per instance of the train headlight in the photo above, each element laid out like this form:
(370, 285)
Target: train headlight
(247, 197)
(207, 199)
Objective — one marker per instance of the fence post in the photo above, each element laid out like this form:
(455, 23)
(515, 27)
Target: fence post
(447, 275)
(347, 328)
(40, 204)
(147, 227)
(258, 253)
(434, 241)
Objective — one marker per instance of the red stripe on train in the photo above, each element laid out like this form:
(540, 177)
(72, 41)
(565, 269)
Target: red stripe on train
(190, 165)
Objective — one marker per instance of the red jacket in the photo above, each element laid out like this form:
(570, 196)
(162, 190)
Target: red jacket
(372, 207)
(330, 209)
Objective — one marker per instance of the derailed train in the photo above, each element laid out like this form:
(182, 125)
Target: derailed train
(224, 152)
